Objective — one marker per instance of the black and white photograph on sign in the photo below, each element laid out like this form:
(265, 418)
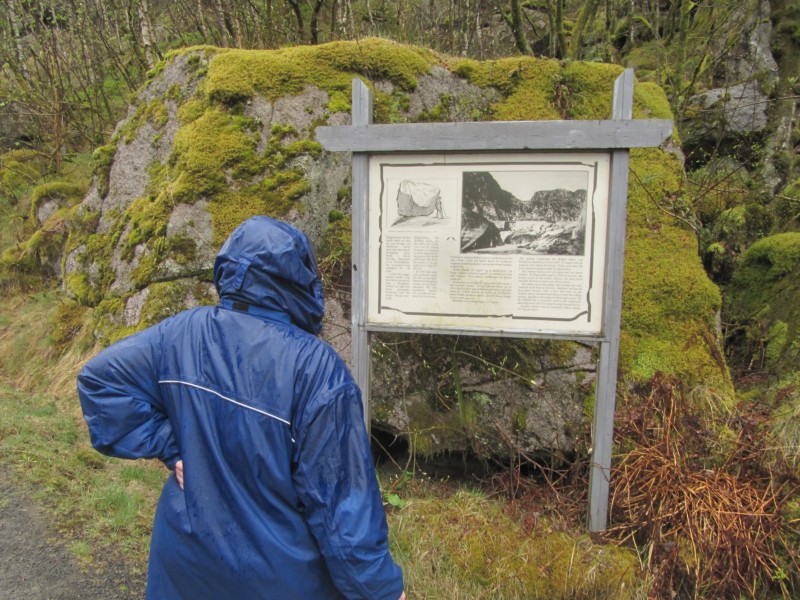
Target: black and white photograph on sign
(422, 203)
(524, 212)
(474, 242)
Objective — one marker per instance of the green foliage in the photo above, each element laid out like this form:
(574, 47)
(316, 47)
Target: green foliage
(64, 192)
(787, 207)
(785, 423)
(762, 305)
(19, 169)
(69, 321)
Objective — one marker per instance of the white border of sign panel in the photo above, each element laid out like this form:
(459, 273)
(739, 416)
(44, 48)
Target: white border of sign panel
(506, 242)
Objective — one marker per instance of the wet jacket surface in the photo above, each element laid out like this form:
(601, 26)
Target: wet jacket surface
(280, 498)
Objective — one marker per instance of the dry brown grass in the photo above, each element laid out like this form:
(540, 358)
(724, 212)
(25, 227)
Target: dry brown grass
(708, 526)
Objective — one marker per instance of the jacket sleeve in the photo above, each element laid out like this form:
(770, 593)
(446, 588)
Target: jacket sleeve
(335, 480)
(122, 404)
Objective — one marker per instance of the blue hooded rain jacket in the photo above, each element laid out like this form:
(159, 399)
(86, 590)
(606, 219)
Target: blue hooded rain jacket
(280, 498)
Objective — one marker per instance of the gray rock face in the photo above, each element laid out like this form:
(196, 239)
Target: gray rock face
(742, 108)
(494, 415)
(751, 56)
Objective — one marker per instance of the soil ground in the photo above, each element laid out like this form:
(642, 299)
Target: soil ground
(36, 565)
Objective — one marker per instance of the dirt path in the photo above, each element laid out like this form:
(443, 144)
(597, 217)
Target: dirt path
(35, 565)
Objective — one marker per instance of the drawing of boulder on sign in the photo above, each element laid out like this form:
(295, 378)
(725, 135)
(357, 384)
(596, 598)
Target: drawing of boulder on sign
(417, 200)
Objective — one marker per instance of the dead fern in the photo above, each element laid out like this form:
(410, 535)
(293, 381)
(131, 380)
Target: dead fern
(706, 528)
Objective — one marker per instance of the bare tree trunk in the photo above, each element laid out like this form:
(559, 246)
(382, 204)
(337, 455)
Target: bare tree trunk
(561, 36)
(371, 18)
(13, 18)
(348, 19)
(298, 15)
(514, 21)
(201, 20)
(269, 25)
(585, 17)
(334, 8)
(631, 25)
(150, 49)
(314, 24)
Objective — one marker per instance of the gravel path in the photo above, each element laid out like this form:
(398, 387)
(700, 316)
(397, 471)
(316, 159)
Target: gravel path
(35, 565)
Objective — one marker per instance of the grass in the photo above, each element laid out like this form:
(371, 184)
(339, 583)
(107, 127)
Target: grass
(457, 542)
(101, 506)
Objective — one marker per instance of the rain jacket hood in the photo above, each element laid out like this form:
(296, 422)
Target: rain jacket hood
(268, 264)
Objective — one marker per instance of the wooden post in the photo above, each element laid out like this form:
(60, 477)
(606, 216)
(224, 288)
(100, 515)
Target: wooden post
(605, 398)
(361, 115)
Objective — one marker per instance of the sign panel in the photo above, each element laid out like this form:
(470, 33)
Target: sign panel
(498, 242)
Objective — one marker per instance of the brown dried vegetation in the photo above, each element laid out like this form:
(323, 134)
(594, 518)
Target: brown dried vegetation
(706, 519)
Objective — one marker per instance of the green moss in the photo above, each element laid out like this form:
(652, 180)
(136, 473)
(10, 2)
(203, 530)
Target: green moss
(191, 110)
(650, 102)
(205, 148)
(519, 420)
(19, 169)
(743, 224)
(38, 258)
(80, 287)
(474, 541)
(238, 75)
(439, 113)
(157, 113)
(103, 159)
(526, 83)
(66, 192)
(669, 304)
(154, 112)
(589, 89)
(777, 337)
(146, 221)
(762, 301)
(93, 252)
(164, 300)
(339, 102)
(156, 70)
(785, 425)
(182, 249)
(390, 107)
(174, 92)
(109, 320)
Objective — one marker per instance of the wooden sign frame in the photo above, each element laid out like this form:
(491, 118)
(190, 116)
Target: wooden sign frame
(615, 137)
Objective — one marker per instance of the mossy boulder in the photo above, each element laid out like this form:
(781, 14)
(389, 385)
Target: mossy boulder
(219, 135)
(763, 305)
(35, 257)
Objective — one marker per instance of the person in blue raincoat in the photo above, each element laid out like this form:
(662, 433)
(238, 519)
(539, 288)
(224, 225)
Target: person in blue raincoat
(273, 493)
